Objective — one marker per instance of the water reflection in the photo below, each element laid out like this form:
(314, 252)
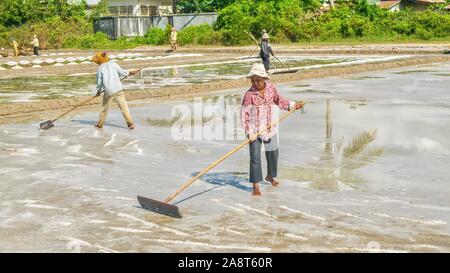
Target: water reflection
(52, 87)
(335, 169)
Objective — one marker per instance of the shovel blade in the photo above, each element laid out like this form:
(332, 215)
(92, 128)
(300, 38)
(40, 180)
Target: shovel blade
(159, 207)
(46, 125)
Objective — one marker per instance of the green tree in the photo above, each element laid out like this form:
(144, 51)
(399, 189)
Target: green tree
(101, 9)
(14, 13)
(192, 6)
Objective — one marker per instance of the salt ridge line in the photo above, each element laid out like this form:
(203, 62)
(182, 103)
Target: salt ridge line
(151, 224)
(351, 215)
(297, 237)
(129, 143)
(419, 221)
(256, 210)
(126, 57)
(241, 211)
(366, 61)
(102, 190)
(113, 137)
(233, 231)
(307, 215)
(106, 249)
(422, 206)
(200, 244)
(371, 250)
(99, 158)
(130, 230)
(78, 242)
(39, 206)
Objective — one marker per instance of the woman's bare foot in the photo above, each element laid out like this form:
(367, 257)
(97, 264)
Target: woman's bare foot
(256, 191)
(97, 126)
(273, 181)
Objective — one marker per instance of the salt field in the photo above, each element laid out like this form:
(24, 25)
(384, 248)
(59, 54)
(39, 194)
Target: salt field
(363, 169)
(24, 89)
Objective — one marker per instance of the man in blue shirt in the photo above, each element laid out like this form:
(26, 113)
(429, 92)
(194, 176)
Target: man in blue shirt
(109, 76)
(266, 51)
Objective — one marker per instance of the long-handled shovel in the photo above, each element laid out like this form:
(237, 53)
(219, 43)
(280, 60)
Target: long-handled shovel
(50, 123)
(172, 210)
(254, 39)
(285, 65)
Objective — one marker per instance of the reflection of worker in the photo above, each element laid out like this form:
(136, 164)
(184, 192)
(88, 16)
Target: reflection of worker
(266, 50)
(173, 38)
(174, 71)
(14, 44)
(35, 44)
(108, 81)
(256, 116)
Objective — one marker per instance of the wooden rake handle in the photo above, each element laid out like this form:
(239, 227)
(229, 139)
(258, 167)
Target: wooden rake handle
(188, 183)
(282, 62)
(75, 107)
(251, 37)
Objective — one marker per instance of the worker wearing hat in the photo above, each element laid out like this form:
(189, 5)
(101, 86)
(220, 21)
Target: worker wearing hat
(109, 75)
(35, 44)
(14, 45)
(174, 39)
(266, 51)
(256, 115)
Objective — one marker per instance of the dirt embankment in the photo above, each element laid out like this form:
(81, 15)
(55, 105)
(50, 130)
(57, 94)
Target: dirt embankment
(390, 49)
(31, 111)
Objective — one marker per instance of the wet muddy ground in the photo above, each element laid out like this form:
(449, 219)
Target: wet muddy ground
(365, 168)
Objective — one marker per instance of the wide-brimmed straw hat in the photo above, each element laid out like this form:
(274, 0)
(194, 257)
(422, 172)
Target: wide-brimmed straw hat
(100, 57)
(258, 70)
(265, 36)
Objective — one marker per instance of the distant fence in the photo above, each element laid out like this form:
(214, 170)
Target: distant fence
(131, 26)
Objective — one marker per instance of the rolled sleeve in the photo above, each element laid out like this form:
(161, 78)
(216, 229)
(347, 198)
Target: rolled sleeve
(281, 101)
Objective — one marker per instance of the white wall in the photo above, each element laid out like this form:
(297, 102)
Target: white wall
(137, 3)
(132, 2)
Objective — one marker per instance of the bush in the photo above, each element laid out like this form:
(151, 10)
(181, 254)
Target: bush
(285, 20)
(232, 21)
(289, 20)
(155, 36)
(51, 33)
(199, 35)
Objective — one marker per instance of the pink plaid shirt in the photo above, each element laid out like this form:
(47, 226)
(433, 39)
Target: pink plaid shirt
(257, 112)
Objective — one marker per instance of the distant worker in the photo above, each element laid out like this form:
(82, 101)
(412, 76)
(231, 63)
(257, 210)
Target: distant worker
(14, 45)
(266, 50)
(173, 39)
(109, 82)
(35, 44)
